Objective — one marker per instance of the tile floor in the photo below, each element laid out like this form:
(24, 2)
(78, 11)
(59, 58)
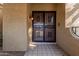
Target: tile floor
(12, 53)
(38, 49)
(45, 50)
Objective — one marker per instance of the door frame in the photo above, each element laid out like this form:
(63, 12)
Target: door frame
(44, 24)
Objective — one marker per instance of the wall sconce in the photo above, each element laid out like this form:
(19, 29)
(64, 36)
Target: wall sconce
(59, 24)
(30, 17)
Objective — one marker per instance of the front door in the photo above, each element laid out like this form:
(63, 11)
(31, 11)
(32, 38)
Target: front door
(44, 26)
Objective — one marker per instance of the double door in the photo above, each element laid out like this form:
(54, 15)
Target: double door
(44, 26)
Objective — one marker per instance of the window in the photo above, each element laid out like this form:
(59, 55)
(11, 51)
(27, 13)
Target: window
(72, 18)
(75, 31)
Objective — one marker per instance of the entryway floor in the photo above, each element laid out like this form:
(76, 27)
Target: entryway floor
(45, 50)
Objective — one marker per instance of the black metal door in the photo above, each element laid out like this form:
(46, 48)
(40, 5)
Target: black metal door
(50, 26)
(44, 26)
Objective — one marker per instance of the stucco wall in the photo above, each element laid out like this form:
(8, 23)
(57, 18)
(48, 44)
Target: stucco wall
(1, 18)
(44, 7)
(14, 27)
(64, 38)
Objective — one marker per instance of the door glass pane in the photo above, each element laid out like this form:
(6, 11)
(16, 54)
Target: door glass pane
(49, 26)
(38, 26)
(38, 35)
(49, 19)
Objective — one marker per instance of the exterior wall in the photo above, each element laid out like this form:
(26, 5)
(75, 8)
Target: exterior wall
(1, 18)
(43, 7)
(29, 22)
(14, 27)
(64, 38)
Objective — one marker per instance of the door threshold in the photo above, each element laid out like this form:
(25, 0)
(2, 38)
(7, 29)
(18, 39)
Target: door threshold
(43, 42)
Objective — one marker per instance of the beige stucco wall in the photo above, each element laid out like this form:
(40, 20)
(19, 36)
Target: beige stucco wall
(15, 27)
(1, 17)
(64, 38)
(29, 22)
(44, 7)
